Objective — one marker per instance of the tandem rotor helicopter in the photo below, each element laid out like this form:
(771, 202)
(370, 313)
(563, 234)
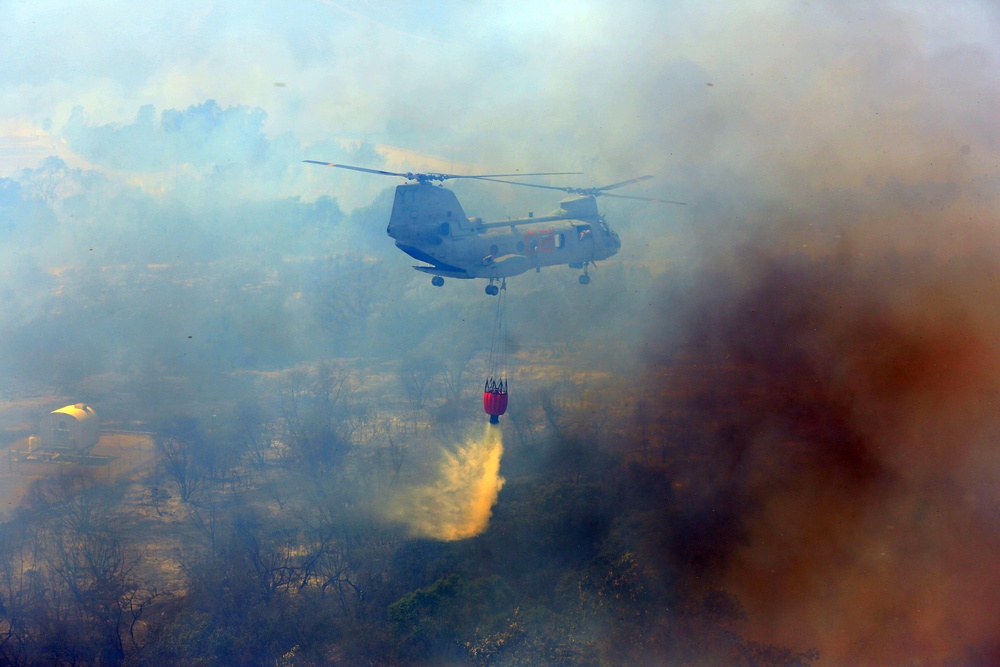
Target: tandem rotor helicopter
(428, 224)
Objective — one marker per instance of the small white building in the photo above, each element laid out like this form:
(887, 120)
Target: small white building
(73, 428)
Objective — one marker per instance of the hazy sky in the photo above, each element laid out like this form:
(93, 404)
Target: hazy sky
(610, 88)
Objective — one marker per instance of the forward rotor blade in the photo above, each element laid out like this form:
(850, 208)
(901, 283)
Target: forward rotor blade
(541, 173)
(527, 185)
(347, 166)
(433, 176)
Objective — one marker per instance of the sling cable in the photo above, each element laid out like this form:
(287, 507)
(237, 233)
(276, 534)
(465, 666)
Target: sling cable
(495, 389)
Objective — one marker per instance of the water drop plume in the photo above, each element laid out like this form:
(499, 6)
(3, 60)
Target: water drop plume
(458, 502)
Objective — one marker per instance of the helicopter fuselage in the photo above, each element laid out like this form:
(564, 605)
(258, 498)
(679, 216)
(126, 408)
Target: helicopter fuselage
(428, 223)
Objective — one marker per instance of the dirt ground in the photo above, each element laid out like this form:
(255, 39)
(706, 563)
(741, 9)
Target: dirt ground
(116, 454)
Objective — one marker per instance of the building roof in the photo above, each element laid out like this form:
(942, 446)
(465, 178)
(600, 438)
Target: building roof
(79, 412)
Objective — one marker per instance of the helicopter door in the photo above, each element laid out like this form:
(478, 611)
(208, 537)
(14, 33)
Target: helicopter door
(585, 239)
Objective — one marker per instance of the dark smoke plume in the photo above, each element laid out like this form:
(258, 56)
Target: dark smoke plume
(826, 379)
(832, 380)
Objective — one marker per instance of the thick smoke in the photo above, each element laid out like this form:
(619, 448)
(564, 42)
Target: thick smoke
(827, 367)
(457, 502)
(834, 376)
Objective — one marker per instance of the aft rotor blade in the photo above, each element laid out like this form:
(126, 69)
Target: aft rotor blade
(595, 192)
(662, 201)
(624, 183)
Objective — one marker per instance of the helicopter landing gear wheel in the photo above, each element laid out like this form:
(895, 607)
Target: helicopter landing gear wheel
(585, 279)
(493, 290)
(437, 281)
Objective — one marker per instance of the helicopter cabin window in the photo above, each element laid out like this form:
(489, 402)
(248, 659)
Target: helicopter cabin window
(585, 232)
(445, 228)
(520, 246)
(541, 240)
(560, 240)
